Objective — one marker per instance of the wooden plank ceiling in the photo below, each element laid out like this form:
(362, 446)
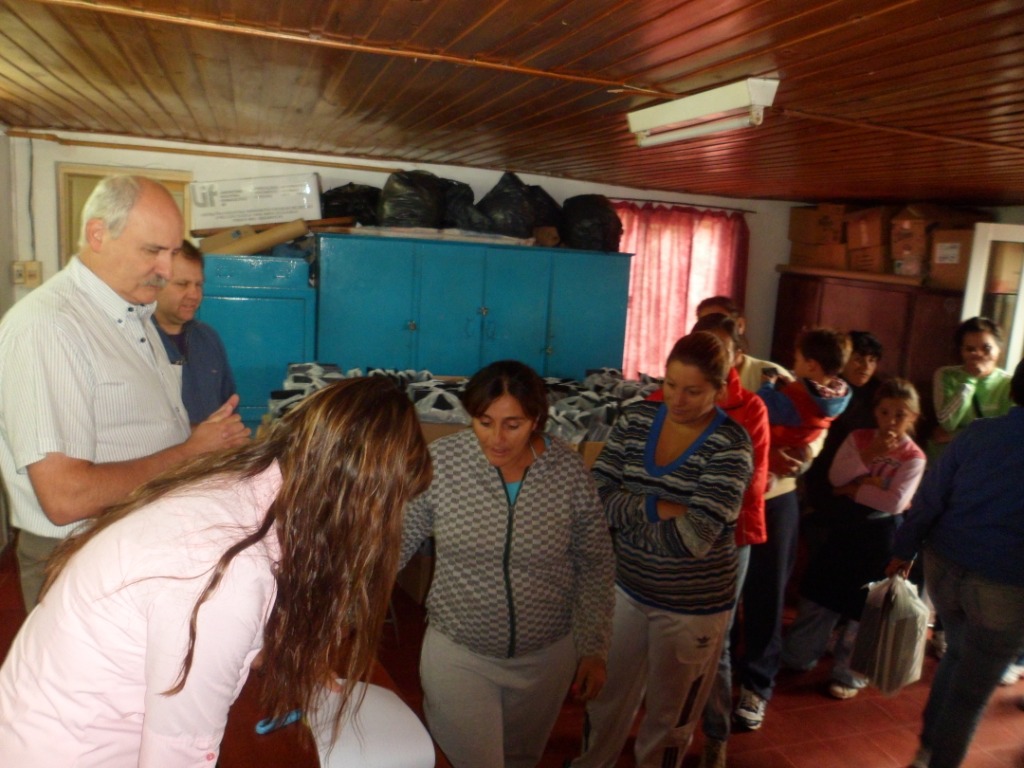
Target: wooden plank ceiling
(886, 100)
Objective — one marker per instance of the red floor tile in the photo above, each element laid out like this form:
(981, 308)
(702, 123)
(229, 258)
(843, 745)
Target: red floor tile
(804, 727)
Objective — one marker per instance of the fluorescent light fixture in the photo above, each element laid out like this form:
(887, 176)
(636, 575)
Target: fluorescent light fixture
(704, 113)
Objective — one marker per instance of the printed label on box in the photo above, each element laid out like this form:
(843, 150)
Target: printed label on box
(268, 200)
(947, 253)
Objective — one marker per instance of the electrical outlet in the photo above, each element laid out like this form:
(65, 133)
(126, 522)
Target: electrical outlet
(18, 272)
(33, 274)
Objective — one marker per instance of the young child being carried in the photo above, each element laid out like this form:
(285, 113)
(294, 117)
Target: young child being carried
(799, 411)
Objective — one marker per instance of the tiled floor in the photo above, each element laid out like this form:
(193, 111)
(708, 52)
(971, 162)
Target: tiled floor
(804, 728)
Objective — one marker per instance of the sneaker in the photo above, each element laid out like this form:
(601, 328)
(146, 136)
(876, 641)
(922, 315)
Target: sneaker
(938, 644)
(838, 690)
(713, 755)
(750, 709)
(1012, 674)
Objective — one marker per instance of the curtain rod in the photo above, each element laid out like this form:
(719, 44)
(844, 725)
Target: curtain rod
(678, 202)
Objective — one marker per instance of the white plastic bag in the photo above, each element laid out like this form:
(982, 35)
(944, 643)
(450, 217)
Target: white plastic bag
(890, 641)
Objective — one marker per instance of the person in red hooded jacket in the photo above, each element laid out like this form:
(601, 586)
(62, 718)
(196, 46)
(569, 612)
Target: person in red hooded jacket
(749, 411)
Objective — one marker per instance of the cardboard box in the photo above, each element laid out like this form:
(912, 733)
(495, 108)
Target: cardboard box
(820, 225)
(950, 258)
(874, 259)
(824, 256)
(432, 431)
(909, 239)
(912, 225)
(869, 228)
(908, 267)
(267, 200)
(1004, 267)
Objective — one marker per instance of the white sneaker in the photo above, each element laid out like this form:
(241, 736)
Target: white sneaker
(749, 710)
(842, 691)
(1012, 674)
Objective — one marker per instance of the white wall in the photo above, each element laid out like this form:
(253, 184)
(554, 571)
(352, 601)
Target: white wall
(33, 163)
(6, 225)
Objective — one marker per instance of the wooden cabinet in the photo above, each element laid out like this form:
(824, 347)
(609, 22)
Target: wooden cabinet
(914, 324)
(451, 307)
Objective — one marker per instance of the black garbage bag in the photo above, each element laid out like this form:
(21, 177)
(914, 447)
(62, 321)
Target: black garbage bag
(459, 211)
(547, 212)
(412, 199)
(357, 200)
(509, 206)
(590, 223)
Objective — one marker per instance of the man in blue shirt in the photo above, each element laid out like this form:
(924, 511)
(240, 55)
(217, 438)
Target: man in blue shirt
(968, 517)
(206, 379)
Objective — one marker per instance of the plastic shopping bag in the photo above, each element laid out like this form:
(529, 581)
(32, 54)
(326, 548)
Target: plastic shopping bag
(889, 649)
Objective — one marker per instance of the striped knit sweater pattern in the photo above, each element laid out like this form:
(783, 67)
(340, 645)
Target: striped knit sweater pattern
(686, 565)
(510, 579)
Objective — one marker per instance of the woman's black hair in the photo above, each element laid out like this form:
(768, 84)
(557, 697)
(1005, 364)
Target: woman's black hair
(507, 377)
(977, 325)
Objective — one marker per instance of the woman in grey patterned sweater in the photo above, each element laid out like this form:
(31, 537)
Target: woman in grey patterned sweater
(521, 601)
(671, 477)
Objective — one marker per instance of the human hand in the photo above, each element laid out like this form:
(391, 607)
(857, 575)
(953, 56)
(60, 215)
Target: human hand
(897, 565)
(590, 678)
(782, 464)
(850, 489)
(222, 429)
(669, 510)
(882, 443)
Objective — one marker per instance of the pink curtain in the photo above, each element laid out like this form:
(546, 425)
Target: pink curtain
(682, 255)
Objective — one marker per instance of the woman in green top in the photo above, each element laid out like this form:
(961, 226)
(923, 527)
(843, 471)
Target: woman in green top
(977, 388)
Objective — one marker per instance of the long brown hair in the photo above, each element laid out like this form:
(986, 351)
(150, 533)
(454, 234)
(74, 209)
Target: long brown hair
(351, 456)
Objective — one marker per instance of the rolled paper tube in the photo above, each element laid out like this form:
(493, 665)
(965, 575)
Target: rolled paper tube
(215, 243)
(261, 241)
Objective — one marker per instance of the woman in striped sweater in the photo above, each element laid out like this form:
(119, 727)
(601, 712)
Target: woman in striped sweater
(671, 478)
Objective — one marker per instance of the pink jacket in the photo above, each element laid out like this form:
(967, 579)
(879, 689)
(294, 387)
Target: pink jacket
(83, 683)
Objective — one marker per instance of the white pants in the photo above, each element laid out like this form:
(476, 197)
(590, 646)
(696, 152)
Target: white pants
(672, 657)
(488, 713)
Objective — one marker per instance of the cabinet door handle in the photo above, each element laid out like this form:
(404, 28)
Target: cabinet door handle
(411, 325)
(484, 311)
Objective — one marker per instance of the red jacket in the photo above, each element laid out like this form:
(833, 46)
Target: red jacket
(749, 411)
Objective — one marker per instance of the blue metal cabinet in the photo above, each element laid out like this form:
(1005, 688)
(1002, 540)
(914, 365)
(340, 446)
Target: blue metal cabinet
(265, 312)
(451, 307)
(587, 321)
(367, 291)
(516, 297)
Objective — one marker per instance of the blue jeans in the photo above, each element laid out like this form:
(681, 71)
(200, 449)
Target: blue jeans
(808, 637)
(764, 594)
(984, 624)
(717, 711)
